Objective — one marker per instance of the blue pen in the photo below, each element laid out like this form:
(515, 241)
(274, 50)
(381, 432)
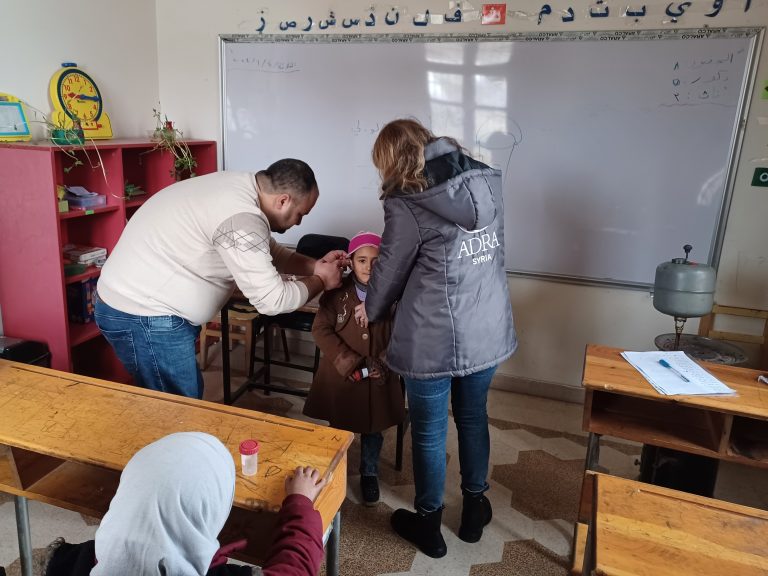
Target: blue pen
(668, 365)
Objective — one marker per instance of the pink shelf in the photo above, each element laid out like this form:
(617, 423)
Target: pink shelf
(84, 213)
(135, 203)
(90, 272)
(79, 333)
(33, 232)
(109, 144)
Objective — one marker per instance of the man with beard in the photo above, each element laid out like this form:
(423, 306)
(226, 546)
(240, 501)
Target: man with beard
(181, 255)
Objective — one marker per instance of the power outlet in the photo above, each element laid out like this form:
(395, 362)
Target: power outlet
(760, 177)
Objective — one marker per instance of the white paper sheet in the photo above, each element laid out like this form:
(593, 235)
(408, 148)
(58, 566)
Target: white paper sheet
(670, 382)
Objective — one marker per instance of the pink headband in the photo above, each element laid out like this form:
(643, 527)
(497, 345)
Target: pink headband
(364, 239)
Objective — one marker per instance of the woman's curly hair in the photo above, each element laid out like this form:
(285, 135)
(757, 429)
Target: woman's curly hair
(398, 155)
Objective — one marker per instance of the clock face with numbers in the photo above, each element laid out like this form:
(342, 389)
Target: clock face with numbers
(79, 96)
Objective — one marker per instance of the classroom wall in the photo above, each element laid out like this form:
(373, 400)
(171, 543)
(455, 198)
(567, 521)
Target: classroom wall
(554, 320)
(115, 42)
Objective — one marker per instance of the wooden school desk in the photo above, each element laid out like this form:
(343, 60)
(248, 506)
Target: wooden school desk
(65, 438)
(638, 529)
(620, 402)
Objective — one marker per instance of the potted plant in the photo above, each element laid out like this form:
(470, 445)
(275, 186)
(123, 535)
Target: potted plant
(71, 141)
(67, 136)
(169, 138)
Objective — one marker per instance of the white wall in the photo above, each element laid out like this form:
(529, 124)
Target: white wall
(554, 320)
(114, 42)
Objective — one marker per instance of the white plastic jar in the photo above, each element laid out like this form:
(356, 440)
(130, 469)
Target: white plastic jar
(249, 457)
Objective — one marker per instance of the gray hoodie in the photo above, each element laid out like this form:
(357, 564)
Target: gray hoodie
(442, 260)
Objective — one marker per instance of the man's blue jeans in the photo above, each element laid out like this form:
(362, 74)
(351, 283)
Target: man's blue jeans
(157, 351)
(428, 409)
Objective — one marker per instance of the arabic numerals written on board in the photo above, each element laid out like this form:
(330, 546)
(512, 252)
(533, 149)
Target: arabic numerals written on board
(701, 80)
(267, 64)
(363, 129)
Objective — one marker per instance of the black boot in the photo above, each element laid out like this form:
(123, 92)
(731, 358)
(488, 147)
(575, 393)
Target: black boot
(369, 487)
(475, 515)
(422, 530)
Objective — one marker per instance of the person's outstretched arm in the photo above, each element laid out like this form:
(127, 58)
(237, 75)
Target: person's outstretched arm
(400, 245)
(297, 547)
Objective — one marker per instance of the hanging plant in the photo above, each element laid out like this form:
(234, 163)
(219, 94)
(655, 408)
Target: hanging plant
(166, 137)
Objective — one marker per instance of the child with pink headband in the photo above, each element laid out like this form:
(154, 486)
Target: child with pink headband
(353, 389)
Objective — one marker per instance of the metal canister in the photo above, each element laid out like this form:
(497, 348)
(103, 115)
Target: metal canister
(684, 289)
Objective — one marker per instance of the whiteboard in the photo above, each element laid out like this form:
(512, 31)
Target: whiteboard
(616, 148)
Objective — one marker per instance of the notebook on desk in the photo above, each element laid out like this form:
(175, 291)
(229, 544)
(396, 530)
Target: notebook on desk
(674, 373)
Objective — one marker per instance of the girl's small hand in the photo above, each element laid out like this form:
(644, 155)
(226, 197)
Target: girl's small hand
(306, 481)
(360, 316)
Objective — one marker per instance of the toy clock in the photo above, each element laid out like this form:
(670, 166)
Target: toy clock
(75, 95)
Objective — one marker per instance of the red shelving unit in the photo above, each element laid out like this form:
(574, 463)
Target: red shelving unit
(84, 213)
(33, 298)
(90, 272)
(129, 204)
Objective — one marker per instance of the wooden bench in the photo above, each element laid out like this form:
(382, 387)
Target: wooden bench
(636, 529)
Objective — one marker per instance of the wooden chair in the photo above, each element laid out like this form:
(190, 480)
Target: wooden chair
(707, 328)
(241, 327)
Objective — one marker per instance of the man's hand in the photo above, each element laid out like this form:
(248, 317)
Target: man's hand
(329, 272)
(338, 256)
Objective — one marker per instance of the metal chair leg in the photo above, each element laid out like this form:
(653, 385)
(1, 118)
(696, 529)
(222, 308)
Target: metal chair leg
(286, 354)
(25, 539)
(399, 447)
(332, 549)
(267, 356)
(590, 548)
(225, 367)
(257, 325)
(593, 451)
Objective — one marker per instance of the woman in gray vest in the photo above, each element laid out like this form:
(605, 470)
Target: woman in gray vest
(442, 261)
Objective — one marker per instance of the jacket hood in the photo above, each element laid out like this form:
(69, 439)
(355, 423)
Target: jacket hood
(461, 190)
(173, 499)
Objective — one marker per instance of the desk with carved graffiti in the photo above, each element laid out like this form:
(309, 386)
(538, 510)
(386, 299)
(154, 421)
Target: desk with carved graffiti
(65, 438)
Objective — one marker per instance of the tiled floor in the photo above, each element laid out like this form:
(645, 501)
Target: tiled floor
(537, 463)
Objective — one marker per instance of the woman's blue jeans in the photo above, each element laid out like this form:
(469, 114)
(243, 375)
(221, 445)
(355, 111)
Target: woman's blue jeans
(157, 351)
(428, 409)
